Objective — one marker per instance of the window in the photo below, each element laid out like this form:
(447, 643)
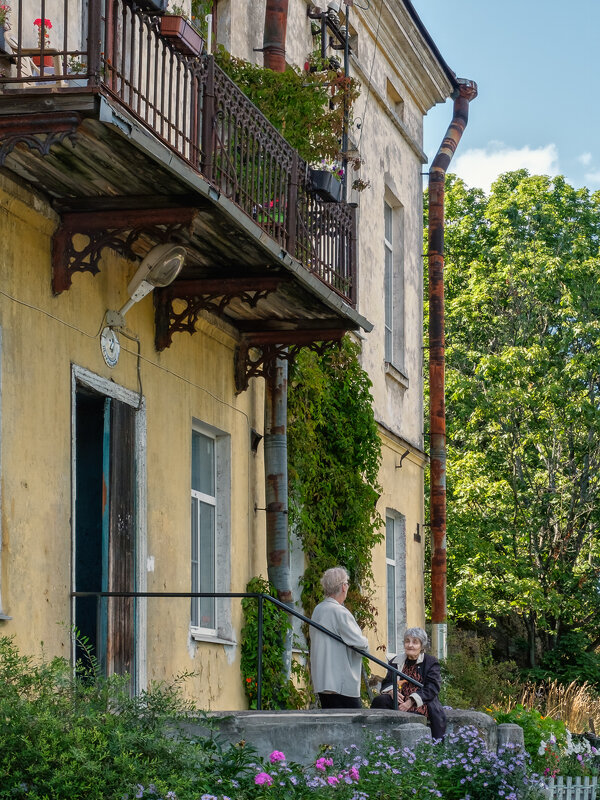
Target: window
(394, 99)
(210, 535)
(395, 549)
(389, 283)
(393, 289)
(204, 505)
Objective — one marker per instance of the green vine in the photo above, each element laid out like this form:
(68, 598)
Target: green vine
(334, 452)
(307, 108)
(277, 689)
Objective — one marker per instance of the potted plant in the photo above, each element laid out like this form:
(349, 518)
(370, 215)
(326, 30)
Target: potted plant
(4, 25)
(43, 26)
(326, 180)
(176, 27)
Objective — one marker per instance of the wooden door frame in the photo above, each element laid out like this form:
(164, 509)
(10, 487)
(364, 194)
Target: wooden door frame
(83, 377)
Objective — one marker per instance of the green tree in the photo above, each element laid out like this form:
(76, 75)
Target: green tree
(522, 282)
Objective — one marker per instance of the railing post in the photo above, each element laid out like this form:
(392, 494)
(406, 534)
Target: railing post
(94, 38)
(352, 294)
(208, 119)
(260, 652)
(292, 207)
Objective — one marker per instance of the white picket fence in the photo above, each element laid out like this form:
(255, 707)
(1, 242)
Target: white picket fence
(572, 788)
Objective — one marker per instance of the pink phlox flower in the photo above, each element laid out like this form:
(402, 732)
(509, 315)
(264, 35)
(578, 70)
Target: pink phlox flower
(276, 756)
(263, 779)
(354, 774)
(323, 763)
(332, 780)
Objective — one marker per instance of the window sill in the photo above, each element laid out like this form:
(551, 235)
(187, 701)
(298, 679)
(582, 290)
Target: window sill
(4, 617)
(396, 375)
(211, 638)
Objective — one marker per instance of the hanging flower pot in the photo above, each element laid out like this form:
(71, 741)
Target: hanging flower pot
(182, 34)
(326, 185)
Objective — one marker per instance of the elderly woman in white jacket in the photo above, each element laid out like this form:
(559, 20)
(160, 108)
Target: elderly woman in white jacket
(335, 668)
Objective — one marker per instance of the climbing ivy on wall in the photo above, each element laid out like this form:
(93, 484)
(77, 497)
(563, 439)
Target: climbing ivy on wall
(278, 690)
(307, 108)
(334, 452)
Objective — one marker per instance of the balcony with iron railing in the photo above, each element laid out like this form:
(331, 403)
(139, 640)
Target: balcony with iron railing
(136, 141)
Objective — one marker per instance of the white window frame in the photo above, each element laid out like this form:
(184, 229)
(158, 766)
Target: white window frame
(393, 284)
(223, 628)
(395, 529)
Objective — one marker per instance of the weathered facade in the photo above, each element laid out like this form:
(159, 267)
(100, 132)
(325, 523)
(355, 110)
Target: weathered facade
(130, 470)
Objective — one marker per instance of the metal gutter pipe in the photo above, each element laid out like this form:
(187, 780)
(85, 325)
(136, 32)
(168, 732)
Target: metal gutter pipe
(275, 439)
(465, 92)
(274, 35)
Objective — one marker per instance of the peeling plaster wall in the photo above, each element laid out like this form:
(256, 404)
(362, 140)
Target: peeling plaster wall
(43, 336)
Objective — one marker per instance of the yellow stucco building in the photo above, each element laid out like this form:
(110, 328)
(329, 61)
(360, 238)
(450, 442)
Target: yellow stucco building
(130, 450)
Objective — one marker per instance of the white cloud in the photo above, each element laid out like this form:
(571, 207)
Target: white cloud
(592, 177)
(585, 159)
(481, 166)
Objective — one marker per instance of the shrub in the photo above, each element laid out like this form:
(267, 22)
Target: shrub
(536, 729)
(471, 678)
(84, 737)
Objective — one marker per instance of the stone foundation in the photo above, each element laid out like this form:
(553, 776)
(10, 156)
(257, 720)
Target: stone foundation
(301, 735)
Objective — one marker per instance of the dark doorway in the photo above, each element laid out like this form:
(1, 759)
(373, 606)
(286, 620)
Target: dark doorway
(105, 528)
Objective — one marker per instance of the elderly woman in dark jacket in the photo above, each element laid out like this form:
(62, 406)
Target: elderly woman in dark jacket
(424, 668)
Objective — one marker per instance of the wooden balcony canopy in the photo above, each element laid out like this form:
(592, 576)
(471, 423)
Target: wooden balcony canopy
(136, 143)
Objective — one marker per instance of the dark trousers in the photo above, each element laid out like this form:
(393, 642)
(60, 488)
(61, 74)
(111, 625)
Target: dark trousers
(338, 701)
(436, 721)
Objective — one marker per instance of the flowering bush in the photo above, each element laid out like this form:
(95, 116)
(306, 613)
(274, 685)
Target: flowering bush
(460, 768)
(576, 757)
(536, 728)
(4, 12)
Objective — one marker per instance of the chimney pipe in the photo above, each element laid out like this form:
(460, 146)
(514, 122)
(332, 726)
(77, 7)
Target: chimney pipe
(465, 92)
(274, 36)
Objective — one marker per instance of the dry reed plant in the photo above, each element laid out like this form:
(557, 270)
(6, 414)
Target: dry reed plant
(576, 704)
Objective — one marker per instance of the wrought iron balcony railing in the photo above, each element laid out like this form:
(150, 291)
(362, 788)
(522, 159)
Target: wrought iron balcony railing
(113, 48)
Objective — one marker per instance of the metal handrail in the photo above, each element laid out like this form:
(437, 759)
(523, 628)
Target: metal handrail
(261, 597)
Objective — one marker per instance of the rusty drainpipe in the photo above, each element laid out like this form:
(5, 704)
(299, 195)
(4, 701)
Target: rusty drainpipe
(275, 441)
(274, 35)
(465, 92)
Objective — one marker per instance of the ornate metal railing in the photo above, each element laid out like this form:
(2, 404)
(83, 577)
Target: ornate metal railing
(191, 105)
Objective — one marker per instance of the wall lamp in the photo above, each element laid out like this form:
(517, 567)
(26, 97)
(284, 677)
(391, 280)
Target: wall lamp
(159, 268)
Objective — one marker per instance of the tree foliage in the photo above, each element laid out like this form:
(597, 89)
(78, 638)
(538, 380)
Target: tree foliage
(522, 281)
(334, 456)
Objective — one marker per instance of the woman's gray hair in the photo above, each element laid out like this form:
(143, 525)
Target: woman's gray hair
(417, 633)
(332, 580)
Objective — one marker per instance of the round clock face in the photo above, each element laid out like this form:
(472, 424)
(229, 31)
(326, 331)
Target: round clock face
(110, 346)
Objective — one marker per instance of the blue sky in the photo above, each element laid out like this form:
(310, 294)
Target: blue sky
(536, 64)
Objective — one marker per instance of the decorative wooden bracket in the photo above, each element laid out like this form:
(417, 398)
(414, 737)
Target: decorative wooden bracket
(204, 295)
(268, 346)
(37, 131)
(119, 230)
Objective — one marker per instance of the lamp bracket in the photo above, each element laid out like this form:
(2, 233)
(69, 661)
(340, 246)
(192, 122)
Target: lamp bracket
(120, 230)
